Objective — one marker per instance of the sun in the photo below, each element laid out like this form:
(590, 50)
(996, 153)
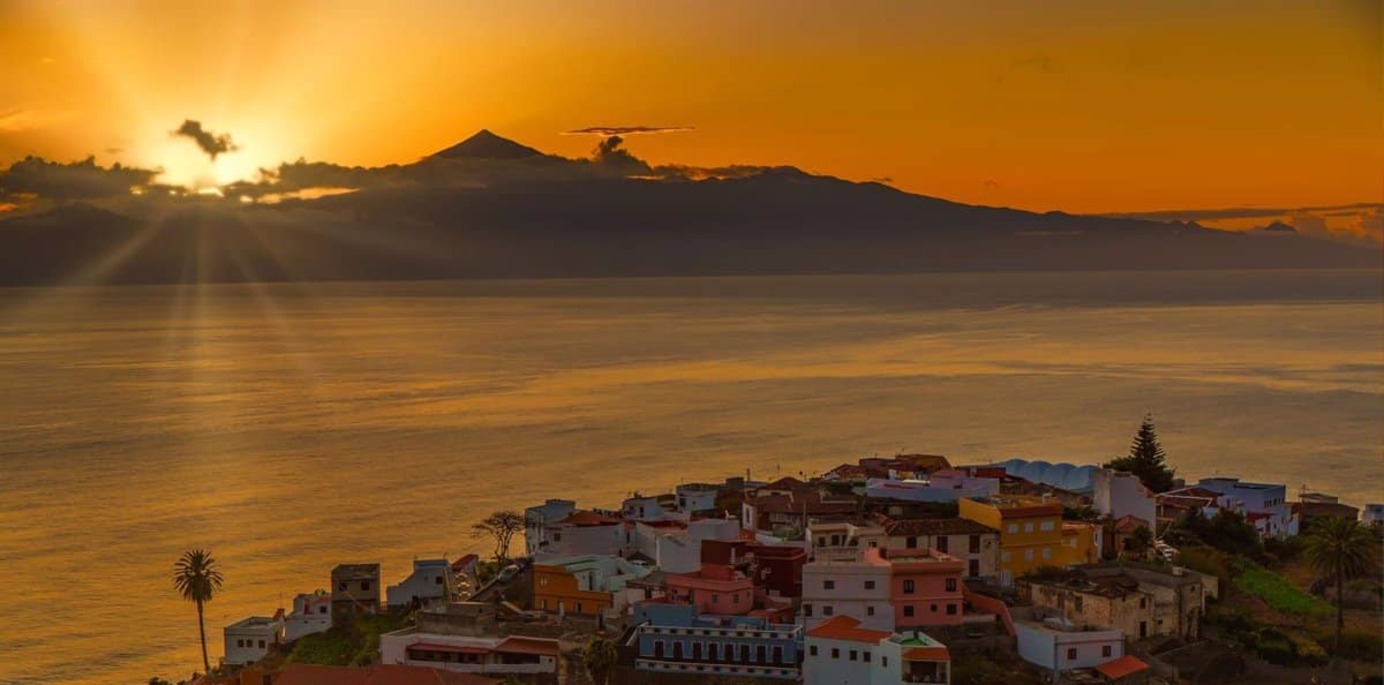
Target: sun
(185, 165)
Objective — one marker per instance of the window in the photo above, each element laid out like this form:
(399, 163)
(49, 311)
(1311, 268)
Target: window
(854, 655)
(942, 543)
(261, 644)
(884, 661)
(865, 657)
(869, 611)
(828, 610)
(1105, 650)
(973, 568)
(911, 542)
(807, 610)
(1143, 602)
(908, 610)
(322, 610)
(1071, 653)
(1013, 527)
(869, 585)
(658, 649)
(696, 651)
(812, 650)
(778, 654)
(835, 653)
(557, 537)
(908, 587)
(365, 586)
(933, 608)
(1028, 526)
(1047, 553)
(1079, 602)
(437, 580)
(975, 544)
(240, 643)
(951, 585)
(735, 599)
(713, 652)
(1028, 555)
(745, 653)
(951, 609)
(828, 585)
(579, 607)
(1047, 525)
(715, 599)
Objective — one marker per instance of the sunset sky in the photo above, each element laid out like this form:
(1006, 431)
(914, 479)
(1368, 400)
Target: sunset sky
(1075, 105)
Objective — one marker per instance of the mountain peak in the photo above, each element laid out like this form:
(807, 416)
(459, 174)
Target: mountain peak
(486, 145)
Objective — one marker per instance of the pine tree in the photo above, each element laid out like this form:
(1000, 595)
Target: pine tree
(1146, 459)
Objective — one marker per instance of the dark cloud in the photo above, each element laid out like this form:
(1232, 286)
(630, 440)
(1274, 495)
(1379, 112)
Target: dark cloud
(1244, 212)
(624, 130)
(610, 154)
(211, 143)
(72, 181)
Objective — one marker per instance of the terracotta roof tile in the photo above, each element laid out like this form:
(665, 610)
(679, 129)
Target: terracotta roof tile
(1121, 667)
(844, 627)
(927, 654)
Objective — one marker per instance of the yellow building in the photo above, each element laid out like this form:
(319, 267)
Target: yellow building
(1032, 533)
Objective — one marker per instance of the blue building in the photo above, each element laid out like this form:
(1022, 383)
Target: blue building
(673, 638)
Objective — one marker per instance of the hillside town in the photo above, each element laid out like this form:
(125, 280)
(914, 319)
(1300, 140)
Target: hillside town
(881, 571)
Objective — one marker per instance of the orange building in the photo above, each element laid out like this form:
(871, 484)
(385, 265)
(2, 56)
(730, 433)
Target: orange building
(1031, 533)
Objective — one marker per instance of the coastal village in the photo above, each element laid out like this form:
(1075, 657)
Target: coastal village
(884, 570)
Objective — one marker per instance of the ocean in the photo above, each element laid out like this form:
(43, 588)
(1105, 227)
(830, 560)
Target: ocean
(292, 427)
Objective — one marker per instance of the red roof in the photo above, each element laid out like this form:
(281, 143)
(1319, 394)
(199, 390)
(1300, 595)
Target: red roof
(379, 674)
(462, 563)
(844, 627)
(1121, 667)
(588, 518)
(927, 654)
(450, 649)
(528, 645)
(1129, 523)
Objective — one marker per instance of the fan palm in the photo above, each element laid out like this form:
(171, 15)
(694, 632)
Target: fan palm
(197, 579)
(1342, 549)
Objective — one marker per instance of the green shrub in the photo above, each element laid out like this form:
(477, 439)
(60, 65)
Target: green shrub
(1279, 593)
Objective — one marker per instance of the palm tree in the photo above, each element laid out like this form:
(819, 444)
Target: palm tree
(197, 580)
(1342, 549)
(600, 656)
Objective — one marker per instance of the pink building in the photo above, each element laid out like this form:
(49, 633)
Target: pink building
(715, 589)
(924, 586)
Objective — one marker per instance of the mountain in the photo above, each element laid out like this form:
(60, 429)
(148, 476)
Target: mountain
(486, 145)
(547, 217)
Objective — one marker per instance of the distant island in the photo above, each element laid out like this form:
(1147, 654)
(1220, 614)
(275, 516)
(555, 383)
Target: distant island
(489, 207)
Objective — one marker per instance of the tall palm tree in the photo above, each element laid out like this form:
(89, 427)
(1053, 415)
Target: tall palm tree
(1342, 549)
(197, 579)
(599, 657)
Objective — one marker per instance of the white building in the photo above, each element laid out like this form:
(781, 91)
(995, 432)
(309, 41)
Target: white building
(431, 579)
(250, 640)
(948, 485)
(856, 589)
(1374, 513)
(312, 613)
(694, 497)
(1055, 644)
(583, 533)
(536, 520)
(840, 650)
(1265, 504)
(640, 508)
(1118, 494)
(499, 656)
(678, 548)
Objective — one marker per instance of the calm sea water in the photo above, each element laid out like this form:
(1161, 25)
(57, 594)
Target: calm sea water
(293, 427)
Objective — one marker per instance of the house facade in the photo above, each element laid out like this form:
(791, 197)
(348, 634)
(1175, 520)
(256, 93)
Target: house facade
(857, 589)
(497, 656)
(1031, 533)
(1057, 645)
(677, 639)
(924, 587)
(1264, 504)
(431, 579)
(840, 650)
(1117, 494)
(355, 591)
(537, 520)
(585, 585)
(251, 639)
(312, 613)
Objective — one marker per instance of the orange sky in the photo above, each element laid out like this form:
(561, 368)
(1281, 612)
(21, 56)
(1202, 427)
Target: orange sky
(1067, 104)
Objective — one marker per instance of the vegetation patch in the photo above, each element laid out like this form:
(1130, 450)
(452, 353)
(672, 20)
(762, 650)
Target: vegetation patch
(1279, 593)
